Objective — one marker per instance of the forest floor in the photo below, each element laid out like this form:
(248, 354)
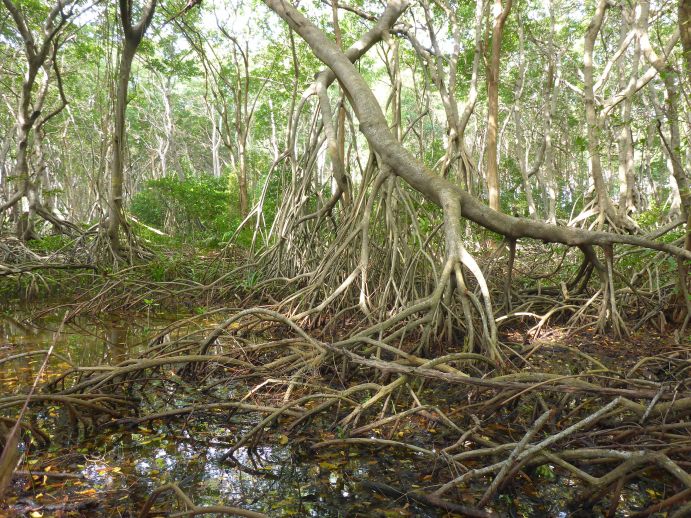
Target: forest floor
(156, 400)
(111, 469)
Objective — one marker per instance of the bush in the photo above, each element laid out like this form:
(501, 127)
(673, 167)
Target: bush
(49, 244)
(195, 208)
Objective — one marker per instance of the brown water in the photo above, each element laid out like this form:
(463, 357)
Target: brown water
(118, 468)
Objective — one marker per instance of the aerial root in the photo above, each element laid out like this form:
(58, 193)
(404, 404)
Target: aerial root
(190, 509)
(426, 499)
(372, 387)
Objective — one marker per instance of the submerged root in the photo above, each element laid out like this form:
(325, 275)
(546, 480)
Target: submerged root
(597, 425)
(189, 509)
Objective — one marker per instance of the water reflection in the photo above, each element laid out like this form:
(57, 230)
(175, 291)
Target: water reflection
(118, 349)
(124, 466)
(82, 341)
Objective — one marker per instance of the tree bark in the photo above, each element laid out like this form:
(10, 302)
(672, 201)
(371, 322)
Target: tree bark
(500, 15)
(684, 13)
(522, 148)
(627, 183)
(133, 35)
(436, 189)
(37, 55)
(592, 122)
(680, 174)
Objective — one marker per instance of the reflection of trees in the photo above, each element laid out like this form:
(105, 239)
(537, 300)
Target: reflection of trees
(117, 343)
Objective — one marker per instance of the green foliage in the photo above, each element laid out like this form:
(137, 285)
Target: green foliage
(49, 244)
(183, 263)
(652, 218)
(197, 207)
(580, 143)
(546, 472)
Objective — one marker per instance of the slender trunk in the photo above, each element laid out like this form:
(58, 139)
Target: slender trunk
(675, 209)
(680, 174)
(500, 15)
(523, 150)
(469, 105)
(117, 170)
(683, 183)
(646, 159)
(684, 13)
(545, 178)
(168, 127)
(548, 180)
(627, 181)
(215, 144)
(242, 178)
(133, 35)
(592, 120)
(340, 128)
(274, 132)
(4, 150)
(674, 143)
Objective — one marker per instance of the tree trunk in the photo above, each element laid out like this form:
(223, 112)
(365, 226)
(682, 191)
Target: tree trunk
(685, 32)
(683, 285)
(26, 117)
(117, 168)
(551, 96)
(523, 150)
(627, 181)
(680, 175)
(133, 36)
(242, 179)
(215, 143)
(436, 189)
(592, 122)
(38, 55)
(500, 15)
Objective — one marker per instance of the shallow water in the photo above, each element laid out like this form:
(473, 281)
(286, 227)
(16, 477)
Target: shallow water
(118, 468)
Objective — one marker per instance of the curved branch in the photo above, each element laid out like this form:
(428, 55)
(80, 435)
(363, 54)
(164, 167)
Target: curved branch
(436, 189)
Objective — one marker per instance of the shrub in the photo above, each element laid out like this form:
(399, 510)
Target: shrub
(194, 208)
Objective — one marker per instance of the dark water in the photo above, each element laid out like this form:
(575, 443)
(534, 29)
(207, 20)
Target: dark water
(118, 468)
